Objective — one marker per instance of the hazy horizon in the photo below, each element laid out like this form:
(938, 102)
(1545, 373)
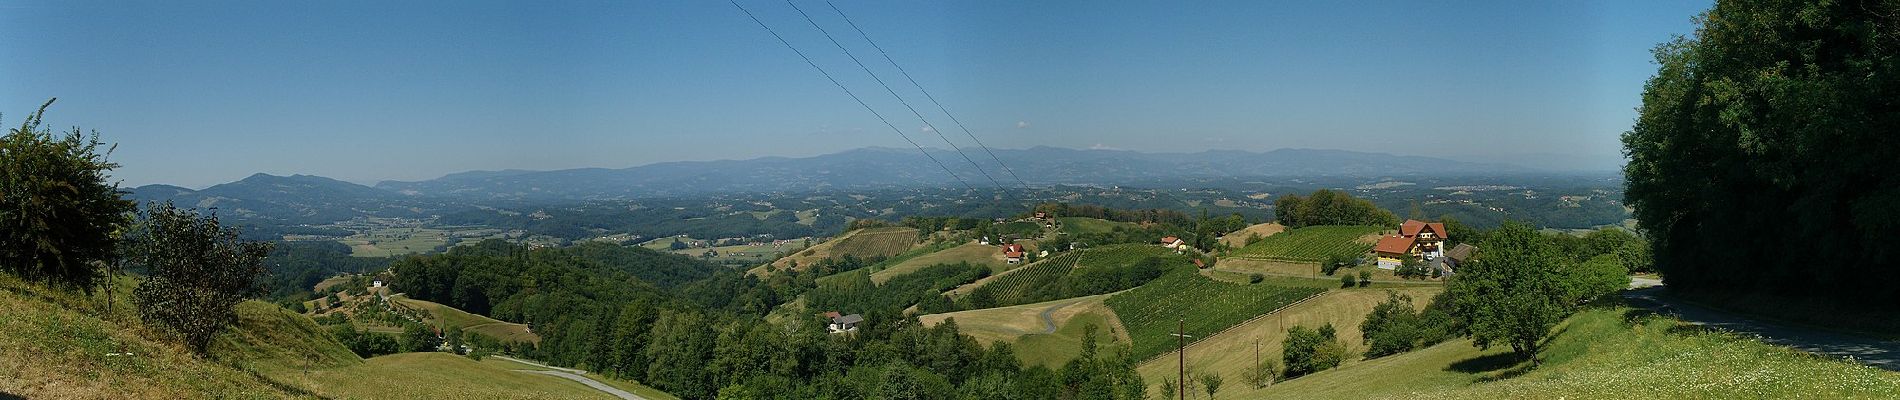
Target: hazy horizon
(200, 93)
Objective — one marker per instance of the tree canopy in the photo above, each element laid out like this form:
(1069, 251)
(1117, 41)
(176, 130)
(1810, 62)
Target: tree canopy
(1326, 207)
(1762, 157)
(58, 214)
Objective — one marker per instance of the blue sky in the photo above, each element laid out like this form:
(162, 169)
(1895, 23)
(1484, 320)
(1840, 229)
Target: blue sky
(197, 93)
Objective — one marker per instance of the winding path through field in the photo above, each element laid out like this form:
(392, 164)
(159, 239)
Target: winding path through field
(1883, 354)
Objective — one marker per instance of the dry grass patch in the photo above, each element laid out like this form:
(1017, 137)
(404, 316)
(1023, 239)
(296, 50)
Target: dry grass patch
(977, 254)
(1239, 238)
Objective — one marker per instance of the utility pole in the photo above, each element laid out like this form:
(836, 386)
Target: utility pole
(1180, 333)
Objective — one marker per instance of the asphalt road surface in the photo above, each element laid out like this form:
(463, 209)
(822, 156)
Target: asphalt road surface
(1883, 354)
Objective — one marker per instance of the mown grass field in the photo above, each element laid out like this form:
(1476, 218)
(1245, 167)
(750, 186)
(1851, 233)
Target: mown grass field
(1151, 312)
(1023, 328)
(435, 375)
(1608, 353)
(1312, 244)
(445, 316)
(973, 253)
(883, 242)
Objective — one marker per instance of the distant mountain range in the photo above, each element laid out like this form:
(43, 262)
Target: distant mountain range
(876, 167)
(315, 199)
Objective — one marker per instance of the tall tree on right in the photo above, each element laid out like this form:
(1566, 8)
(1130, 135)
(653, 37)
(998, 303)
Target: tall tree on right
(1763, 156)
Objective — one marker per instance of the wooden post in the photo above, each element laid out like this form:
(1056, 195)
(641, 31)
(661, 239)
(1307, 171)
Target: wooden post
(1180, 334)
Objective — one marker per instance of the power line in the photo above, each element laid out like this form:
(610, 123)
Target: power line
(933, 99)
(893, 92)
(854, 96)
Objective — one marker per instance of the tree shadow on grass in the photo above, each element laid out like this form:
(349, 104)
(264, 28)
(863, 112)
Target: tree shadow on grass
(10, 396)
(1493, 367)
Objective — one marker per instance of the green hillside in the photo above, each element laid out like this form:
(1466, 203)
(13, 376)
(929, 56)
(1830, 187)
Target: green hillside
(1085, 225)
(1598, 354)
(55, 344)
(1312, 244)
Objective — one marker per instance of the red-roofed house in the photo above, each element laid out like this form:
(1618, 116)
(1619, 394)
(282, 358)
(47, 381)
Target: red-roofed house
(1173, 242)
(1013, 252)
(1416, 239)
(1393, 250)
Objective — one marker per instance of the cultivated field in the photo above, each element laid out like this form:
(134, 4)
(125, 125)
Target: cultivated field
(1010, 287)
(977, 254)
(1312, 244)
(1150, 312)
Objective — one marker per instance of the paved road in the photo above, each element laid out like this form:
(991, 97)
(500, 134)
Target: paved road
(1048, 321)
(575, 375)
(1883, 354)
(589, 382)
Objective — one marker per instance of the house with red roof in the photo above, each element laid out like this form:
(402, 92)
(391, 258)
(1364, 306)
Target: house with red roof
(1013, 253)
(1173, 243)
(1416, 239)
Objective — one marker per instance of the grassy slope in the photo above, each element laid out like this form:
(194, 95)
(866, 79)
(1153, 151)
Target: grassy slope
(1080, 225)
(436, 375)
(635, 388)
(1022, 327)
(888, 241)
(54, 344)
(451, 316)
(1230, 352)
(1603, 353)
(990, 256)
(1239, 238)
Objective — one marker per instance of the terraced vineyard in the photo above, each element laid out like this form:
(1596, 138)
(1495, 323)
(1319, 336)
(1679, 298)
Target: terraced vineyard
(1311, 244)
(1150, 312)
(1009, 289)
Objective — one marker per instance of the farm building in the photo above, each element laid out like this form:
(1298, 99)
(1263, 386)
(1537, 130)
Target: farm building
(1173, 243)
(1416, 239)
(846, 323)
(1458, 255)
(1013, 253)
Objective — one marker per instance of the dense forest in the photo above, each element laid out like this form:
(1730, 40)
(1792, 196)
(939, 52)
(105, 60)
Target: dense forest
(1761, 159)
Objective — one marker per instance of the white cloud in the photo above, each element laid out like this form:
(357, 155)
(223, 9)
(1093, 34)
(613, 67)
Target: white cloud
(926, 129)
(1099, 146)
(1022, 124)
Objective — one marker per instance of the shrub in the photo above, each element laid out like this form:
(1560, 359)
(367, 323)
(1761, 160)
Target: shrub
(59, 211)
(1365, 278)
(1256, 278)
(199, 271)
(1347, 280)
(1308, 350)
